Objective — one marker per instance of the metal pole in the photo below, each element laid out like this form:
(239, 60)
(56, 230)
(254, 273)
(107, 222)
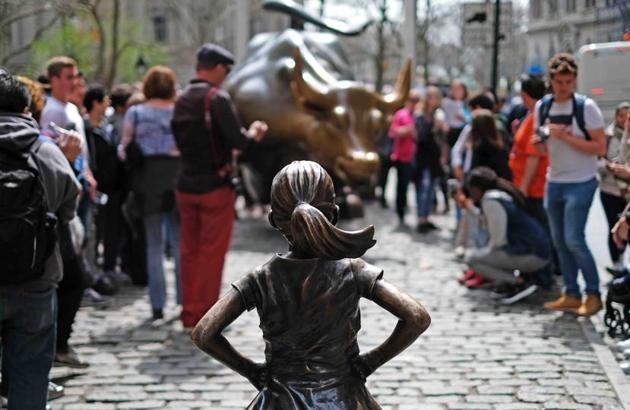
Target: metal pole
(427, 21)
(495, 48)
(409, 34)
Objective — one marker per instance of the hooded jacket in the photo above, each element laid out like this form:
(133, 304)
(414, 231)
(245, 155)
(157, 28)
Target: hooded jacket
(18, 132)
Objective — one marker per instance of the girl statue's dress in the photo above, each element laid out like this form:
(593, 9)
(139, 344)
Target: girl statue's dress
(309, 315)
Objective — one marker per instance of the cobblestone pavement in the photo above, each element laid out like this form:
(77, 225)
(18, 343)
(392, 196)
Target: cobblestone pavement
(477, 354)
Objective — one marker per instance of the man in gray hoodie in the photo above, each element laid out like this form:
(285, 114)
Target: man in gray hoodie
(28, 309)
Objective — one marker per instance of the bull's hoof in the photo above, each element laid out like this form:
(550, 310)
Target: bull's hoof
(351, 207)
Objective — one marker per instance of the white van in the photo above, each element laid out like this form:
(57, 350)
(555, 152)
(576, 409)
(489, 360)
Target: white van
(604, 74)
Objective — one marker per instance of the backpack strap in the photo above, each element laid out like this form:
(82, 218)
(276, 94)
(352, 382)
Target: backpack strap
(579, 101)
(34, 162)
(544, 108)
(225, 170)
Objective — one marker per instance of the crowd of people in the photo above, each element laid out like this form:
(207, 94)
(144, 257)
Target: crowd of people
(114, 180)
(96, 187)
(523, 181)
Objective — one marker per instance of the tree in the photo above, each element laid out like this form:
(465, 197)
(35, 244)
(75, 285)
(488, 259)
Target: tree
(15, 12)
(93, 32)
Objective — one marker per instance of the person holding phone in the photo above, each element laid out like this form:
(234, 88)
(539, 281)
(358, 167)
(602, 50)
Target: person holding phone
(613, 189)
(571, 128)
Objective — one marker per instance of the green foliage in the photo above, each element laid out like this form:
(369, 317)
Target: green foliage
(70, 40)
(79, 38)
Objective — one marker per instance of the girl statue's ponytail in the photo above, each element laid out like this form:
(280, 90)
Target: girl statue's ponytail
(313, 233)
(303, 208)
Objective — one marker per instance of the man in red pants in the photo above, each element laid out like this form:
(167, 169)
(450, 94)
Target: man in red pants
(207, 129)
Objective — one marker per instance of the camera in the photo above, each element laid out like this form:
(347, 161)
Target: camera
(453, 186)
(543, 133)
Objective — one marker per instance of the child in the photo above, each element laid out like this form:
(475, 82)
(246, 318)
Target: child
(308, 303)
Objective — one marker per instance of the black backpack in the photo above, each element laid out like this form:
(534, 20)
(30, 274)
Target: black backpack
(27, 228)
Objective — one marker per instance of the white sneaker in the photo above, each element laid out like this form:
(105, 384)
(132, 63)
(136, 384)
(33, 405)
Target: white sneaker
(625, 367)
(460, 252)
(623, 345)
(520, 293)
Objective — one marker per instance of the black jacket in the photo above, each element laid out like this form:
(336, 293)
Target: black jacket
(108, 169)
(204, 152)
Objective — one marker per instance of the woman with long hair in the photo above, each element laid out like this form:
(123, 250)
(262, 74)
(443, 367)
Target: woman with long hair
(488, 149)
(308, 304)
(402, 131)
(147, 128)
(524, 247)
(428, 161)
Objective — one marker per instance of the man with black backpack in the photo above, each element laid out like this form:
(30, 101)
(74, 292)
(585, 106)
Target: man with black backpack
(571, 128)
(38, 191)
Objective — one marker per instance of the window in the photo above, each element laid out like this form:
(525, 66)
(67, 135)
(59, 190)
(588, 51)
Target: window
(160, 32)
(589, 4)
(571, 6)
(553, 8)
(536, 9)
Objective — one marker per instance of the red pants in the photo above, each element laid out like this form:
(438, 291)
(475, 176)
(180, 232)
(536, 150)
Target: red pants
(206, 229)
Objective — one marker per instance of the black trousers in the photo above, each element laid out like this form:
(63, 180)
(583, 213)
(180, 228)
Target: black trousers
(109, 222)
(403, 171)
(613, 206)
(70, 290)
(383, 171)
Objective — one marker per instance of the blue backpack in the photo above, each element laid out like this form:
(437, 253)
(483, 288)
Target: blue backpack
(578, 111)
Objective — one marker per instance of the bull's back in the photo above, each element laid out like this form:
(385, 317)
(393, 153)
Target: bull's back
(260, 86)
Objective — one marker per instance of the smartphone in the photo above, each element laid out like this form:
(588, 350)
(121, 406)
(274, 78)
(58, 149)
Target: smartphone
(57, 131)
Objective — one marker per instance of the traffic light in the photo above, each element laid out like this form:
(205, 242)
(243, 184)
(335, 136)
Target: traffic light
(479, 17)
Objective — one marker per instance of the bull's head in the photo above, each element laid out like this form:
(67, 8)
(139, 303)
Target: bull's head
(348, 120)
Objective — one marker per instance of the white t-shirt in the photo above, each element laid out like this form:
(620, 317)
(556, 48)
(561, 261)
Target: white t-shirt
(566, 164)
(65, 115)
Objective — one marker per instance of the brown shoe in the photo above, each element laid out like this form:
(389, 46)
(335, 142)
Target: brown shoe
(565, 304)
(592, 304)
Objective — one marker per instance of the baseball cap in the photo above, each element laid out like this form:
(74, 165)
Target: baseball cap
(210, 53)
(623, 105)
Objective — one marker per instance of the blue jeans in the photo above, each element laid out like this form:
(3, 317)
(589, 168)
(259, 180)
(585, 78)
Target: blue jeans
(425, 192)
(27, 349)
(156, 239)
(567, 206)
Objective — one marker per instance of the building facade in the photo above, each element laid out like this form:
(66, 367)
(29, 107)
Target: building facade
(566, 25)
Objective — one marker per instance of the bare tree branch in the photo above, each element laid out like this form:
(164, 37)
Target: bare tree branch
(38, 34)
(114, 49)
(102, 43)
(7, 21)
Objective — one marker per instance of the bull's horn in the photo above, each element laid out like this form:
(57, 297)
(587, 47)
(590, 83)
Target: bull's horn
(301, 88)
(396, 99)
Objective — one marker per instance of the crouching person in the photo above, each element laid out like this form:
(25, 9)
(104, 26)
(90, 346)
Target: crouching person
(518, 247)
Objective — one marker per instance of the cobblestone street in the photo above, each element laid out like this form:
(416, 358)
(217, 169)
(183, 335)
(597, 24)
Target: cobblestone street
(477, 354)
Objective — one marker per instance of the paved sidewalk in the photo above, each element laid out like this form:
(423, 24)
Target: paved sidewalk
(477, 354)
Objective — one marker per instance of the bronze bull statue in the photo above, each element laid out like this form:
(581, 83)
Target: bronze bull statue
(300, 84)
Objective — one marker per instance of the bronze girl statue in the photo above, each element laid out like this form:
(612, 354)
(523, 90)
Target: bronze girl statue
(308, 304)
